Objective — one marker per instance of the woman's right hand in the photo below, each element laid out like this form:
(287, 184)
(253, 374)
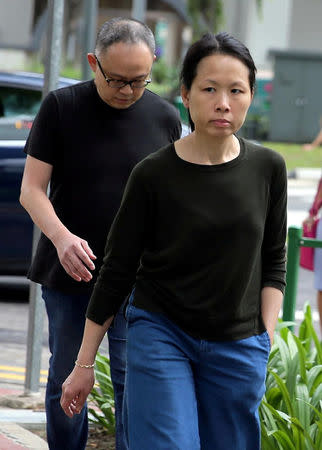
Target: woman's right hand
(309, 221)
(75, 390)
(308, 147)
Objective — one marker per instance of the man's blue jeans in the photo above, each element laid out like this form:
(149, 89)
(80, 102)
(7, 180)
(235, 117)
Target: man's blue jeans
(190, 394)
(66, 318)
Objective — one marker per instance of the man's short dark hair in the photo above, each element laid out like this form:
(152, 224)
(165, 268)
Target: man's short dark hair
(128, 31)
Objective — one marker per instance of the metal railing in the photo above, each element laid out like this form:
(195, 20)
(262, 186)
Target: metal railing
(295, 242)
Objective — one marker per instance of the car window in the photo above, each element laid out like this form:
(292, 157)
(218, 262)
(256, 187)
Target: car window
(18, 108)
(17, 101)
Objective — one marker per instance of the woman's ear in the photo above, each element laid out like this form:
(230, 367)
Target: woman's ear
(185, 96)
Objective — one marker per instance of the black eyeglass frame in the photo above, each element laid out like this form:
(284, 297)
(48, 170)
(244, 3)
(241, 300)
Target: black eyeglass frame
(124, 82)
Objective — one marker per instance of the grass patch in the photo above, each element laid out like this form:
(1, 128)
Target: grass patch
(68, 71)
(295, 156)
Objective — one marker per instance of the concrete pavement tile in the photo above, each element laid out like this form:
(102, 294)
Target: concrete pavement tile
(7, 443)
(16, 410)
(22, 416)
(11, 397)
(15, 437)
(20, 401)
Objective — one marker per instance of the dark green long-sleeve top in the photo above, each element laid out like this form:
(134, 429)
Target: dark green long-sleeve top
(199, 242)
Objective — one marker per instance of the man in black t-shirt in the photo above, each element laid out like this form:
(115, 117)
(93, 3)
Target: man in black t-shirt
(85, 141)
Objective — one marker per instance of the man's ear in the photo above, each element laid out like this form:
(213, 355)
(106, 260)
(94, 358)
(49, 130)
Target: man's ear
(185, 96)
(154, 58)
(92, 61)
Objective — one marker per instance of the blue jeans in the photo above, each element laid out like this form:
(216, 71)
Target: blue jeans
(189, 394)
(66, 319)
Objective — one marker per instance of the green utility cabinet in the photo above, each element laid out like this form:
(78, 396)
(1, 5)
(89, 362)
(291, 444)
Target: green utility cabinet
(296, 109)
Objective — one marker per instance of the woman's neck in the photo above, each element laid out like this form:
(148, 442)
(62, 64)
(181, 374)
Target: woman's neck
(200, 149)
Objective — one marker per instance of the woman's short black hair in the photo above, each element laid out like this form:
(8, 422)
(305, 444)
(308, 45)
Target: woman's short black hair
(210, 44)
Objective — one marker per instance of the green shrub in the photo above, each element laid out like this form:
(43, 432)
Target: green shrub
(68, 71)
(165, 79)
(291, 410)
(102, 396)
(163, 73)
(163, 90)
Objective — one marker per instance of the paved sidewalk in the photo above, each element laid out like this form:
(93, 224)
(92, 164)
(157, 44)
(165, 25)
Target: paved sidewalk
(305, 173)
(18, 415)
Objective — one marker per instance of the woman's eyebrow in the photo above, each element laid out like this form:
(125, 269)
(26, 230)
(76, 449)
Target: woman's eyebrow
(234, 83)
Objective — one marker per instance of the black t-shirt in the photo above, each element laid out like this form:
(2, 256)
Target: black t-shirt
(92, 148)
(199, 242)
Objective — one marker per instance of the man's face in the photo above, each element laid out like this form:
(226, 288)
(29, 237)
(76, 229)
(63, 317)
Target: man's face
(121, 61)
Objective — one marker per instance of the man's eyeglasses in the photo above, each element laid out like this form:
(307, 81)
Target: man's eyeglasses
(118, 84)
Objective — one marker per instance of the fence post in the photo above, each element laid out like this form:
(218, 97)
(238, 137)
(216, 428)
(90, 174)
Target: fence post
(293, 260)
(36, 305)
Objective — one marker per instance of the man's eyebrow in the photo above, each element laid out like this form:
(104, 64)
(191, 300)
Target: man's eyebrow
(120, 77)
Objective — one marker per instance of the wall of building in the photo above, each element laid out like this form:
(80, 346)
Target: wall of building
(259, 32)
(16, 18)
(306, 25)
(236, 18)
(269, 30)
(284, 25)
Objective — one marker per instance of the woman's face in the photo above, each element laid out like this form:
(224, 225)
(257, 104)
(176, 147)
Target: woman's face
(220, 95)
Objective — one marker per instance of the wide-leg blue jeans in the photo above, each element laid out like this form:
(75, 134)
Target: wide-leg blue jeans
(190, 394)
(66, 320)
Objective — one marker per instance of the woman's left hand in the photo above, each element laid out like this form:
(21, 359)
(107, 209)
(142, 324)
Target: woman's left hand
(271, 336)
(75, 390)
(272, 299)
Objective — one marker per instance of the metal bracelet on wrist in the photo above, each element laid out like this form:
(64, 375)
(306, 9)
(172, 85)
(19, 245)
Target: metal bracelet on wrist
(84, 366)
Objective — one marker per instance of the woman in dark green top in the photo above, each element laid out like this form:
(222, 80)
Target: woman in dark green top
(200, 234)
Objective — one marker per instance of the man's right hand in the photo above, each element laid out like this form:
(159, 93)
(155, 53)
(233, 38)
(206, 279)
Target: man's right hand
(74, 254)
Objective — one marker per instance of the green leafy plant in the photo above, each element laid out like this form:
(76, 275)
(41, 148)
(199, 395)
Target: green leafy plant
(165, 79)
(291, 410)
(256, 127)
(101, 398)
(68, 70)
